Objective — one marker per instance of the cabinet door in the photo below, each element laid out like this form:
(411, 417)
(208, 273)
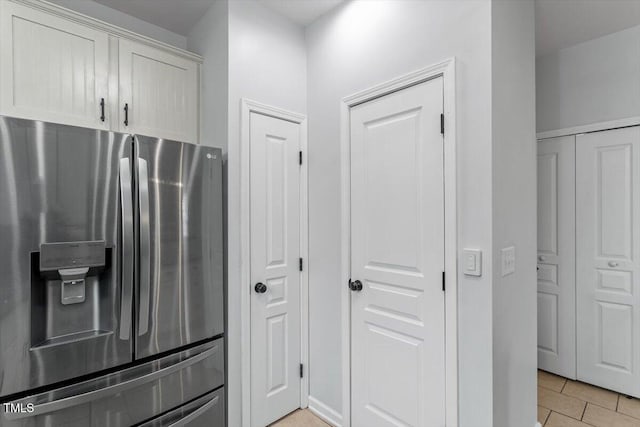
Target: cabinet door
(556, 256)
(52, 69)
(608, 259)
(160, 91)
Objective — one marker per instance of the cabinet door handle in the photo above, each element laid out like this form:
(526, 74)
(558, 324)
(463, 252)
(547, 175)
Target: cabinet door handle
(613, 264)
(126, 114)
(102, 109)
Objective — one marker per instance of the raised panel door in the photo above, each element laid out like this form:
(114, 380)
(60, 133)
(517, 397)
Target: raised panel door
(397, 253)
(556, 256)
(275, 252)
(608, 259)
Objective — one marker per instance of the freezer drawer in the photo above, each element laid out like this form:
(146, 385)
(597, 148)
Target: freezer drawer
(127, 397)
(206, 411)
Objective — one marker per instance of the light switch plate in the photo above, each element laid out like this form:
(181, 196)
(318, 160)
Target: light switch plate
(508, 260)
(472, 262)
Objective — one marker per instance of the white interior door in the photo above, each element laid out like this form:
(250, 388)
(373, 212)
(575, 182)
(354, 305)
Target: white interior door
(608, 259)
(275, 275)
(556, 256)
(397, 253)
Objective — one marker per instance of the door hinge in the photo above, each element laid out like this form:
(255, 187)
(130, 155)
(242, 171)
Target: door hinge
(300, 264)
(443, 282)
(300, 157)
(442, 123)
(301, 370)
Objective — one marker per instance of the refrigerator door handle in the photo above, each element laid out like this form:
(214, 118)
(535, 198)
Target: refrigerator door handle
(195, 414)
(118, 387)
(127, 252)
(145, 246)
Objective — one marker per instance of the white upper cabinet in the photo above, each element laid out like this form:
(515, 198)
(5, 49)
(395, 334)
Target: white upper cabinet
(158, 93)
(52, 69)
(62, 67)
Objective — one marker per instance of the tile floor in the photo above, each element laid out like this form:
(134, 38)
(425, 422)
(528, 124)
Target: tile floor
(300, 418)
(568, 403)
(561, 403)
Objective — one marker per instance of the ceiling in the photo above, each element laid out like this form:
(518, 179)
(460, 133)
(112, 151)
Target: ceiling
(179, 16)
(559, 23)
(302, 12)
(564, 23)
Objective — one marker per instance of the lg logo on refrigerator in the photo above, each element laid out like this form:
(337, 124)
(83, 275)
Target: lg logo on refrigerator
(18, 408)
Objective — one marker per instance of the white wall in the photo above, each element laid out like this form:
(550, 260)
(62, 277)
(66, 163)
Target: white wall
(514, 213)
(249, 52)
(358, 45)
(210, 39)
(120, 19)
(590, 82)
(267, 63)
(266, 60)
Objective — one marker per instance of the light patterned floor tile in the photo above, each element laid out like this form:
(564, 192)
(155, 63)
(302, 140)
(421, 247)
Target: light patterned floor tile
(629, 406)
(561, 403)
(601, 417)
(599, 396)
(559, 420)
(550, 381)
(543, 414)
(299, 418)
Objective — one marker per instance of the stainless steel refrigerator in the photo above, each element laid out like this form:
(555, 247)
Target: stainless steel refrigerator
(111, 281)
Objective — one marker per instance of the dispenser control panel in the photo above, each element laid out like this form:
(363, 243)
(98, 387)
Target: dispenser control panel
(56, 256)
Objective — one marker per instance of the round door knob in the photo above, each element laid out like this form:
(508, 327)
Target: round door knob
(260, 288)
(355, 286)
(613, 264)
(542, 258)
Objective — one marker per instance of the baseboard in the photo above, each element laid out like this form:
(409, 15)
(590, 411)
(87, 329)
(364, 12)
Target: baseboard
(333, 418)
(326, 413)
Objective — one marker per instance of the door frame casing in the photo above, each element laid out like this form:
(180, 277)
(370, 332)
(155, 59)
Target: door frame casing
(592, 127)
(247, 108)
(447, 70)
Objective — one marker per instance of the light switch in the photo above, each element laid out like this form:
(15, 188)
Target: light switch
(508, 260)
(472, 262)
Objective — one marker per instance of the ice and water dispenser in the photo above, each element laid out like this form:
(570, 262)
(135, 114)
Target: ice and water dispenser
(69, 292)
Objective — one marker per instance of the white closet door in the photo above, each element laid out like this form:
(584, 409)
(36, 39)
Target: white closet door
(608, 255)
(275, 275)
(52, 69)
(160, 91)
(556, 256)
(397, 252)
